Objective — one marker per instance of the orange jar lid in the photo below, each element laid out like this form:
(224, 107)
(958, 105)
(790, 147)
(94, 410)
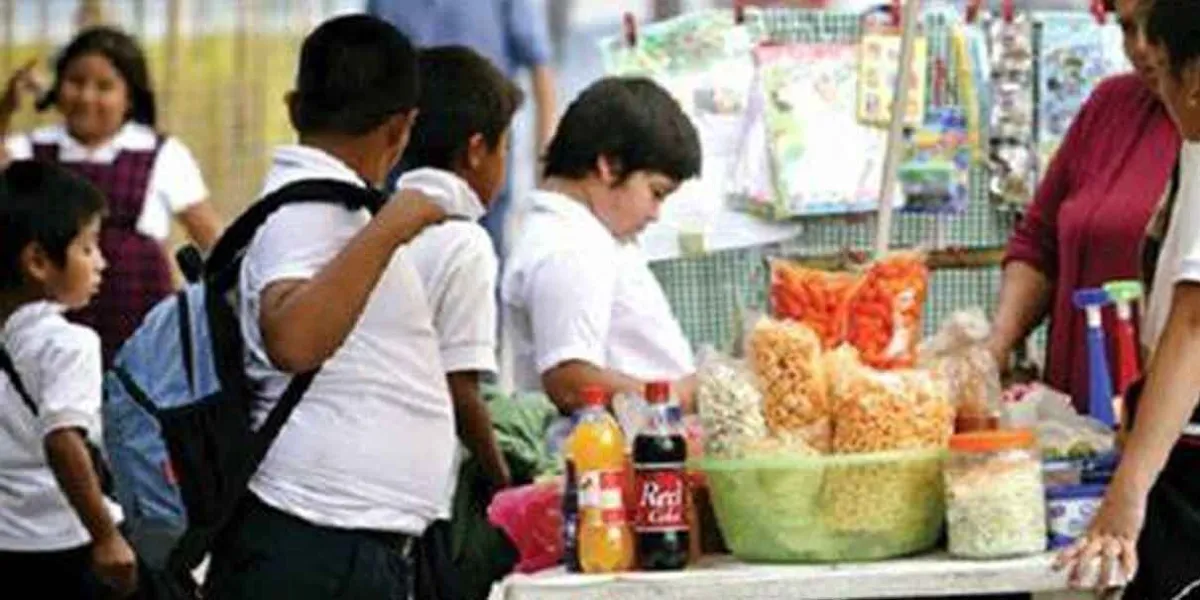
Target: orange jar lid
(993, 441)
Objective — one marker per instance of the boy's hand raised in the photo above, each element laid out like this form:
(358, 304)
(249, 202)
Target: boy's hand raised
(408, 212)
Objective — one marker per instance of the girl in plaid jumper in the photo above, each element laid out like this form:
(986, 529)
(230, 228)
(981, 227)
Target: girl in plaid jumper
(102, 90)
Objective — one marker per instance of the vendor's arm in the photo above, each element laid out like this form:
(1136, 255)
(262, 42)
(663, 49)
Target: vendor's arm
(1031, 261)
(1025, 294)
(1169, 398)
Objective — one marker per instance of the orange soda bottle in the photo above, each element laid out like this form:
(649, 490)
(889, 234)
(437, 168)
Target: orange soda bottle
(597, 449)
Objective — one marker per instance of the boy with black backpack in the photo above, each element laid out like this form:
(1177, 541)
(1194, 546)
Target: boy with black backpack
(361, 467)
(58, 532)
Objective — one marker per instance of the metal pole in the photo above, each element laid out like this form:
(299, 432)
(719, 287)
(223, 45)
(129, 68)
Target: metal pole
(895, 147)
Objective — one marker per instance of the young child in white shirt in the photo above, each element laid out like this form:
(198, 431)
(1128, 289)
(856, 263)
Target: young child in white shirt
(58, 533)
(457, 157)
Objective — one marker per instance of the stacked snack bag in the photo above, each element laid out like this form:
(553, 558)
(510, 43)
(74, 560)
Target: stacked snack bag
(877, 311)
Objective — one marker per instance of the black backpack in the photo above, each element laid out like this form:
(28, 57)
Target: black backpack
(177, 403)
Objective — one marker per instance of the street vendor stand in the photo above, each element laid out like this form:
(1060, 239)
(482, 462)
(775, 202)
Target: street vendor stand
(974, 250)
(723, 578)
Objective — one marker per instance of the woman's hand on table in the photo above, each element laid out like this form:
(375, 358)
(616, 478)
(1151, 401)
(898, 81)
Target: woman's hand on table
(1111, 542)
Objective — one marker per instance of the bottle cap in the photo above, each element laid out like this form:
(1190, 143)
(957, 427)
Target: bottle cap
(594, 395)
(658, 392)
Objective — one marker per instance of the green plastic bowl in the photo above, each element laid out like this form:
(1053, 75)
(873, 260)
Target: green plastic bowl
(840, 508)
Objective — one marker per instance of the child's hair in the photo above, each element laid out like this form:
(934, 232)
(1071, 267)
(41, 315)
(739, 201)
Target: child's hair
(126, 57)
(462, 94)
(44, 204)
(355, 73)
(631, 121)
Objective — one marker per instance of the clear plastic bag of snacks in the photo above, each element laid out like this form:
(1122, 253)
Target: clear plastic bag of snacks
(819, 299)
(884, 316)
(729, 405)
(958, 353)
(877, 411)
(786, 357)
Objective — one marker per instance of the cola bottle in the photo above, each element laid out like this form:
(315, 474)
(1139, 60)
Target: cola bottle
(659, 454)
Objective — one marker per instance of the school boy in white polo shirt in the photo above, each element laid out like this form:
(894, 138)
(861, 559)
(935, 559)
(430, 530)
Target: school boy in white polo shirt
(58, 534)
(361, 467)
(457, 157)
(580, 303)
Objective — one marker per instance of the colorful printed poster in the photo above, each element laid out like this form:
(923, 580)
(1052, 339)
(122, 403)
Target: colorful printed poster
(824, 161)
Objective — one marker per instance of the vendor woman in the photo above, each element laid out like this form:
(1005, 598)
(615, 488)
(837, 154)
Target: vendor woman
(580, 305)
(1150, 519)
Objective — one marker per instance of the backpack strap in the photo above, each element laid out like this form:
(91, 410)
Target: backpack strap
(221, 268)
(99, 466)
(6, 365)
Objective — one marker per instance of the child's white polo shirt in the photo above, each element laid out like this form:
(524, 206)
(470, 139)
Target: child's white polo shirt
(571, 291)
(370, 445)
(59, 365)
(458, 267)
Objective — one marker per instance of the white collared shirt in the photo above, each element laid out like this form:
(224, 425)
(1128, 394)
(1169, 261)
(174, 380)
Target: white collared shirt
(175, 183)
(571, 291)
(1179, 260)
(457, 264)
(59, 365)
(370, 445)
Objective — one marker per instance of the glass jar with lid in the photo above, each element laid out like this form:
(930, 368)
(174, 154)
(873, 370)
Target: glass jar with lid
(995, 496)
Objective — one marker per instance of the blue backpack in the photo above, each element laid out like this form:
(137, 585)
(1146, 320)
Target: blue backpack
(177, 425)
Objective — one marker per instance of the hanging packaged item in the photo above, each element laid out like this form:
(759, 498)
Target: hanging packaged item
(878, 69)
(824, 161)
(884, 319)
(1012, 158)
(935, 175)
(1076, 54)
(973, 75)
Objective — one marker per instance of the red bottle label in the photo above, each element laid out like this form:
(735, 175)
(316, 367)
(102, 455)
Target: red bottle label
(662, 498)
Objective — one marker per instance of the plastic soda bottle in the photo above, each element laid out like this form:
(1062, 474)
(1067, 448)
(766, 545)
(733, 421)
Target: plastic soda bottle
(597, 451)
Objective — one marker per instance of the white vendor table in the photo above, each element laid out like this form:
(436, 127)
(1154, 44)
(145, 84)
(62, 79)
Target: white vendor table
(724, 578)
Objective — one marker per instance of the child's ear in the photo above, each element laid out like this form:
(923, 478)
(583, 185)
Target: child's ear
(400, 128)
(478, 150)
(609, 170)
(36, 264)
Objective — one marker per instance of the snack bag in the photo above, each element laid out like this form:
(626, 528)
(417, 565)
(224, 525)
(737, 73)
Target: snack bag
(818, 299)
(884, 316)
(730, 405)
(959, 355)
(877, 411)
(786, 358)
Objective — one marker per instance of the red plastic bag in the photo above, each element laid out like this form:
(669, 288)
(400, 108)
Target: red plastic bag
(531, 517)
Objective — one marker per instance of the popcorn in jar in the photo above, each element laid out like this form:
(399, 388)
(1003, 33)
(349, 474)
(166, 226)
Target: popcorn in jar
(995, 496)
